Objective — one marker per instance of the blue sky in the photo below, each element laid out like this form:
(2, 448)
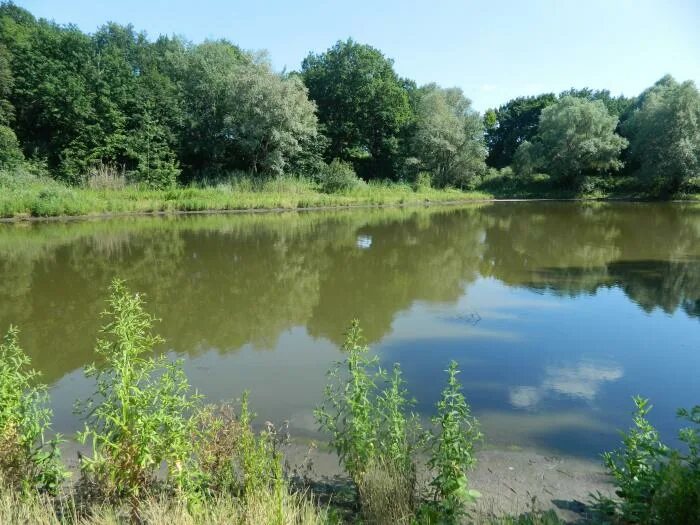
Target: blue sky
(493, 50)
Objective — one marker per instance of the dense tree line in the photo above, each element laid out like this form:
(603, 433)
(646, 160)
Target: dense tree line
(655, 136)
(167, 111)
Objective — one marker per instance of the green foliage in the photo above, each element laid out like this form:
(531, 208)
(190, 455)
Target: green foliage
(27, 461)
(424, 181)
(655, 484)
(137, 420)
(10, 152)
(575, 137)
(664, 132)
(362, 105)
(349, 413)
(452, 453)
(616, 106)
(448, 137)
(511, 125)
(338, 176)
(635, 468)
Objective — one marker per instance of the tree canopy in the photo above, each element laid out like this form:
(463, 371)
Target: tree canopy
(664, 131)
(165, 111)
(512, 124)
(575, 137)
(362, 105)
(448, 140)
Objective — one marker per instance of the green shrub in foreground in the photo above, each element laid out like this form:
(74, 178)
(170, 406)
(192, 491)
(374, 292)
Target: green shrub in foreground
(451, 455)
(137, 420)
(377, 440)
(655, 484)
(27, 461)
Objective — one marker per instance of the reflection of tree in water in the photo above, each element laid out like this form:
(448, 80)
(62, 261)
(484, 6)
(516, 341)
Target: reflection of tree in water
(227, 281)
(230, 281)
(652, 253)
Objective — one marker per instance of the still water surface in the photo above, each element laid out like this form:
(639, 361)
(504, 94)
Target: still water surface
(556, 312)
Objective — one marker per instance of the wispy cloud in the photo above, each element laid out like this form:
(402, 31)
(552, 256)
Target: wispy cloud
(582, 381)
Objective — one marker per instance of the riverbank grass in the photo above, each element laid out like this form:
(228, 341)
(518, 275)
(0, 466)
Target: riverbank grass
(24, 195)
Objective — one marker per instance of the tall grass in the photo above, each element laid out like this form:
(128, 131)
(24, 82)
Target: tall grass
(23, 194)
(296, 509)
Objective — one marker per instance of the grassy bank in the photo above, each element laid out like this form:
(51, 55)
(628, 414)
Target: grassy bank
(22, 195)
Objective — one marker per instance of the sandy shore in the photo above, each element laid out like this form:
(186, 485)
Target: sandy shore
(507, 479)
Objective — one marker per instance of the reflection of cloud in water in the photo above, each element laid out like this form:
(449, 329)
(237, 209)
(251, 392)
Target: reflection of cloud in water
(581, 381)
(525, 396)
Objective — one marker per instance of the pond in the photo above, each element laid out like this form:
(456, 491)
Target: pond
(557, 312)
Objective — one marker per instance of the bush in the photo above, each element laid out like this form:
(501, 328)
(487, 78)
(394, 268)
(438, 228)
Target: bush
(423, 181)
(376, 441)
(27, 461)
(338, 176)
(10, 152)
(654, 483)
(137, 419)
(369, 429)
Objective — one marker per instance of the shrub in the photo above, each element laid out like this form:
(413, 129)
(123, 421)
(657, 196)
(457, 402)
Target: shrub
(137, 419)
(655, 484)
(423, 181)
(370, 431)
(452, 454)
(10, 151)
(27, 461)
(338, 176)
(230, 459)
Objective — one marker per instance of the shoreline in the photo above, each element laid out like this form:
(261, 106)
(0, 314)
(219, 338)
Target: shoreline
(511, 480)
(24, 218)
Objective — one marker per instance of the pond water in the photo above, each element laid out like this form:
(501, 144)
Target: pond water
(558, 313)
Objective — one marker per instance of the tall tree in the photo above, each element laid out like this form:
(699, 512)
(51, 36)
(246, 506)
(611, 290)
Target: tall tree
(512, 124)
(10, 152)
(362, 105)
(616, 106)
(664, 131)
(448, 139)
(241, 114)
(51, 92)
(575, 137)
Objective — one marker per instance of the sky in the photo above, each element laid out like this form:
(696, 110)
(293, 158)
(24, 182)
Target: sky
(493, 50)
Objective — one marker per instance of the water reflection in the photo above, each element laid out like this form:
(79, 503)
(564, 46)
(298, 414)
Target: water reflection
(497, 286)
(582, 381)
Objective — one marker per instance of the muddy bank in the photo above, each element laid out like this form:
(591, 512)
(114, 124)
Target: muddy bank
(507, 479)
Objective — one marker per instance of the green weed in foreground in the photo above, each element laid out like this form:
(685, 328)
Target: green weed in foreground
(160, 456)
(377, 440)
(27, 461)
(655, 484)
(137, 419)
(452, 454)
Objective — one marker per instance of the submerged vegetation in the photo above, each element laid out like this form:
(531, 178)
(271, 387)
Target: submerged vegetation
(159, 454)
(114, 122)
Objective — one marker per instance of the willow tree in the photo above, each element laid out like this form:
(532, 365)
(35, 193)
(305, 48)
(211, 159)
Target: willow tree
(575, 137)
(664, 131)
(448, 139)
